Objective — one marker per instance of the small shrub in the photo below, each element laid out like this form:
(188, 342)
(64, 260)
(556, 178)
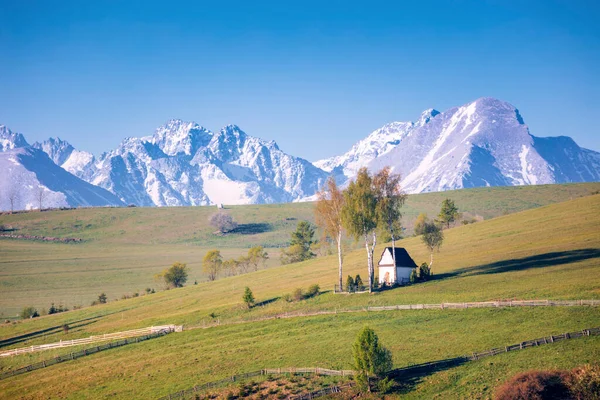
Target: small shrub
(584, 382)
(424, 272)
(148, 290)
(298, 295)
(29, 312)
(534, 385)
(102, 299)
(349, 282)
(229, 396)
(358, 281)
(413, 276)
(212, 315)
(287, 297)
(65, 328)
(385, 385)
(313, 290)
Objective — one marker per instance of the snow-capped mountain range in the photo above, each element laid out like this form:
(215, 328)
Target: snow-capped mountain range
(483, 143)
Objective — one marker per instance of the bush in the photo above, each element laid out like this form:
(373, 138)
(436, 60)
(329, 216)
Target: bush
(313, 290)
(358, 281)
(413, 276)
(385, 385)
(298, 295)
(248, 297)
(29, 312)
(223, 222)
(535, 385)
(349, 283)
(584, 382)
(288, 297)
(424, 272)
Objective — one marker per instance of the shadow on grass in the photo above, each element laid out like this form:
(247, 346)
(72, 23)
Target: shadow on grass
(521, 264)
(251, 229)
(48, 331)
(408, 377)
(266, 302)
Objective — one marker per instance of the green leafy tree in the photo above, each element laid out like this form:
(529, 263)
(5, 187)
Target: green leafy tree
(419, 225)
(212, 263)
(370, 357)
(433, 238)
(29, 312)
(175, 276)
(424, 272)
(350, 283)
(413, 276)
(358, 281)
(328, 215)
(257, 256)
(248, 297)
(304, 237)
(359, 215)
(390, 200)
(449, 213)
(230, 266)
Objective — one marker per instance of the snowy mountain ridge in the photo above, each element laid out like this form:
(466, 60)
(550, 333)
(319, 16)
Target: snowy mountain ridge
(483, 143)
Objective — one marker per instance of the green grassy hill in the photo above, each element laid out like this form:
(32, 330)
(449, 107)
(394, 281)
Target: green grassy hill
(125, 247)
(548, 252)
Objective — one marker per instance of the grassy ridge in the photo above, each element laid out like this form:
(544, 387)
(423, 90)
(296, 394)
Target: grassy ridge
(125, 247)
(550, 252)
(178, 361)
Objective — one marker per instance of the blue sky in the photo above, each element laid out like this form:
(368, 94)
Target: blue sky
(314, 76)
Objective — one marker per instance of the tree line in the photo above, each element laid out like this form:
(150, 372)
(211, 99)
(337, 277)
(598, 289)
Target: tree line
(370, 206)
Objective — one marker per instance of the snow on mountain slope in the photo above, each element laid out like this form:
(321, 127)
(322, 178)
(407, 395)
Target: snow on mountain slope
(378, 143)
(484, 143)
(27, 171)
(11, 140)
(183, 163)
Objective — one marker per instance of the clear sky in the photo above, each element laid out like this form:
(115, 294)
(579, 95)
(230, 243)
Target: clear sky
(316, 76)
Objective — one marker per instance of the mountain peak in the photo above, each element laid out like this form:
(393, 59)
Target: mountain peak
(178, 136)
(57, 149)
(426, 116)
(11, 140)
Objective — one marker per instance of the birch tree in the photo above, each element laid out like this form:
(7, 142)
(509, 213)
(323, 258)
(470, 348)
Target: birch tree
(328, 215)
(390, 199)
(359, 215)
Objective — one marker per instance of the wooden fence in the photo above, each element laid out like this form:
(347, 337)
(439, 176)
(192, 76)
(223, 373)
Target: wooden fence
(184, 394)
(187, 393)
(81, 353)
(439, 306)
(94, 339)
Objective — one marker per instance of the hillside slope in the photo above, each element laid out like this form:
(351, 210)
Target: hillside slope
(519, 256)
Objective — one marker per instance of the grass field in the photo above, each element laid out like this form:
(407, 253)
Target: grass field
(125, 247)
(548, 252)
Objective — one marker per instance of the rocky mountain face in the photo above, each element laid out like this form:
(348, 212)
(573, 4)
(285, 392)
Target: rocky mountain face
(183, 163)
(483, 143)
(31, 179)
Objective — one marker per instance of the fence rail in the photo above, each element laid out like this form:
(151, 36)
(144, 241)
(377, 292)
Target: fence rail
(183, 394)
(93, 339)
(440, 306)
(187, 393)
(81, 353)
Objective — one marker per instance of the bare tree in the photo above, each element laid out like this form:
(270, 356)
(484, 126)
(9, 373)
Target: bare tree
(328, 213)
(13, 197)
(41, 195)
(223, 222)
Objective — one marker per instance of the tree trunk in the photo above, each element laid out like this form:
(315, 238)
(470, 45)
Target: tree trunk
(368, 259)
(340, 259)
(431, 263)
(394, 254)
